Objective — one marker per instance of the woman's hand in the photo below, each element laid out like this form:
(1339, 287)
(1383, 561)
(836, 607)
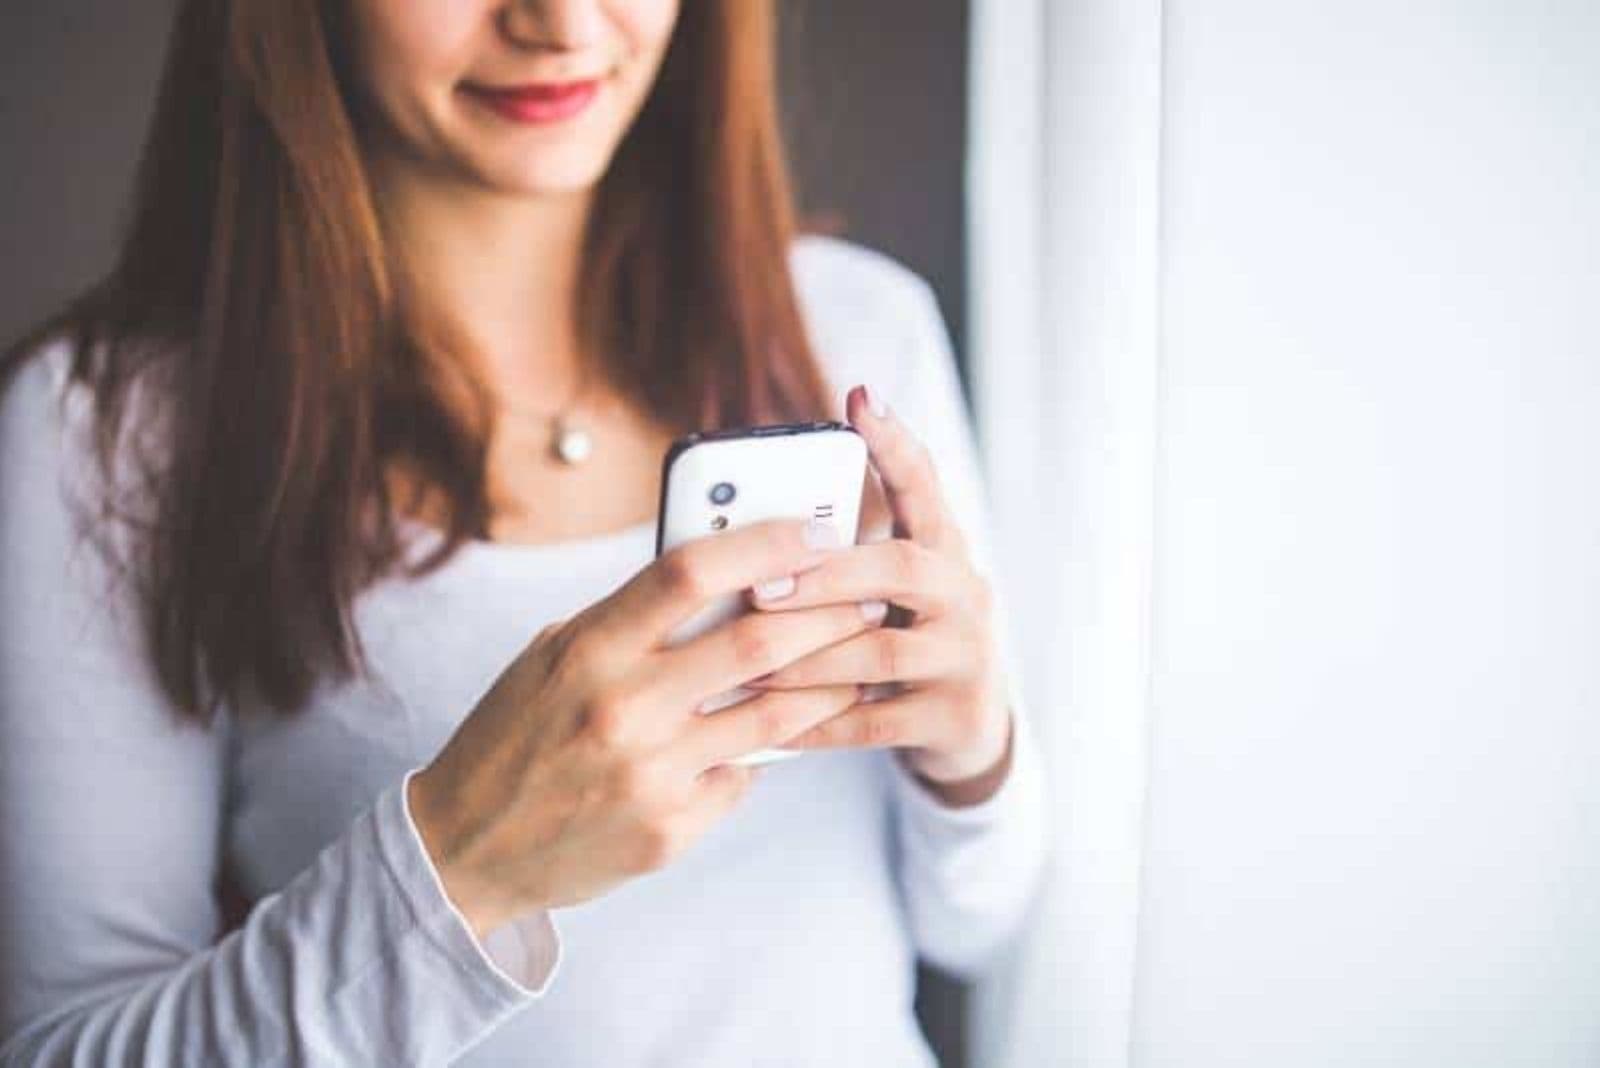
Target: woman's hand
(950, 717)
(589, 762)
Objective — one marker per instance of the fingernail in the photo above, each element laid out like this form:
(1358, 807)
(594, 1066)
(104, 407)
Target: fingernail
(874, 611)
(821, 534)
(772, 589)
(875, 403)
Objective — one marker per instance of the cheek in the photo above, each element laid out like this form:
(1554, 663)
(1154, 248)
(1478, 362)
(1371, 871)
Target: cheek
(410, 51)
(646, 25)
(642, 30)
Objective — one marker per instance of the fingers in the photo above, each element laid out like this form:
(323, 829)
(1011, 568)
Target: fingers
(718, 789)
(928, 582)
(908, 719)
(882, 654)
(764, 721)
(906, 469)
(752, 645)
(719, 785)
(643, 611)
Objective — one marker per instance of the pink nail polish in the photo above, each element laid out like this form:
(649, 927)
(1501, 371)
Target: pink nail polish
(773, 589)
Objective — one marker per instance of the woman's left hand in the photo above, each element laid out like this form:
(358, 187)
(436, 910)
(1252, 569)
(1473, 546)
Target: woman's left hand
(948, 716)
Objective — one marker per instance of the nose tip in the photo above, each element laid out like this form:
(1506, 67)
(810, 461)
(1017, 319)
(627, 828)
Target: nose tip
(561, 25)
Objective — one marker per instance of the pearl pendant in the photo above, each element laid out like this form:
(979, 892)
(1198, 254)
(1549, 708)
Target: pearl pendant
(573, 444)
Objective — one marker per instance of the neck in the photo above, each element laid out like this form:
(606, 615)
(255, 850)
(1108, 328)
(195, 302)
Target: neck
(503, 270)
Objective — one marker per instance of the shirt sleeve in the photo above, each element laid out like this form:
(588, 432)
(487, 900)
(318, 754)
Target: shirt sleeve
(109, 846)
(969, 874)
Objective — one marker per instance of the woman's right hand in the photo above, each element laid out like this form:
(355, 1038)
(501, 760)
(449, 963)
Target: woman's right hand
(588, 762)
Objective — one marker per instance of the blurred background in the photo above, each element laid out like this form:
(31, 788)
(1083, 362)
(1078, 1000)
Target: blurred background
(1281, 325)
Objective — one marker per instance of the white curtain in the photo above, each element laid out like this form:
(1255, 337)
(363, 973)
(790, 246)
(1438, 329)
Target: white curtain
(1286, 357)
(1063, 198)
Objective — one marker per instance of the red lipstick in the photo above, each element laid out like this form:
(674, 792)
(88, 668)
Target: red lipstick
(536, 102)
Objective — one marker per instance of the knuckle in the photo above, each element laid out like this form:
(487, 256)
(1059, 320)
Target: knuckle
(633, 783)
(658, 844)
(601, 725)
(752, 642)
(907, 563)
(878, 730)
(579, 651)
(609, 719)
(553, 633)
(887, 652)
(773, 719)
(621, 700)
(682, 575)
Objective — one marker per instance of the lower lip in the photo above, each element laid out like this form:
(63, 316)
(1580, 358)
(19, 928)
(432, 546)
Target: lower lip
(538, 108)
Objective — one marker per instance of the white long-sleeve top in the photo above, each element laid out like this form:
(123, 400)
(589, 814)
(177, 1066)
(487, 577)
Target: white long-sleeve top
(785, 936)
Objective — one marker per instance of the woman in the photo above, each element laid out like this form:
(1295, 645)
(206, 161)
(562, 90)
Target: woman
(364, 429)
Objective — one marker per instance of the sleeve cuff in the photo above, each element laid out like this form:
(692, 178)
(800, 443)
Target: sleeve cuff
(923, 804)
(514, 963)
(968, 872)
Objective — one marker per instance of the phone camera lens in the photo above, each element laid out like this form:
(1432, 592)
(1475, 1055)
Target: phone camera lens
(722, 493)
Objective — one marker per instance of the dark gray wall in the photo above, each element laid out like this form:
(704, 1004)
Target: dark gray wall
(875, 104)
(874, 98)
(76, 84)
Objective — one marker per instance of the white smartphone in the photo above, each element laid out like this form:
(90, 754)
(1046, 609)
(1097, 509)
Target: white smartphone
(719, 480)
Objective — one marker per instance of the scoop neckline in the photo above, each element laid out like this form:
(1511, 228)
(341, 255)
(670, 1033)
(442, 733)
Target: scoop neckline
(542, 550)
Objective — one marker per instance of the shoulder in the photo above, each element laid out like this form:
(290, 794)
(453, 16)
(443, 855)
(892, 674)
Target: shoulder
(45, 434)
(38, 370)
(870, 317)
(52, 478)
(37, 407)
(49, 398)
(847, 283)
(821, 260)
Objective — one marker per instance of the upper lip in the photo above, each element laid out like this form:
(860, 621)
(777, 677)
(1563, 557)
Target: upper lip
(532, 87)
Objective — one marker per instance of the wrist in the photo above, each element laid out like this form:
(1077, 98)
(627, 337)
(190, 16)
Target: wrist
(465, 893)
(965, 780)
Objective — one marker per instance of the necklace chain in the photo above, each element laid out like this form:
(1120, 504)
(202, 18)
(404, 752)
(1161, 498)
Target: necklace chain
(572, 399)
(570, 442)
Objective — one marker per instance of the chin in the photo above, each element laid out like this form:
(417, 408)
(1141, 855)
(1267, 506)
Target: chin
(547, 177)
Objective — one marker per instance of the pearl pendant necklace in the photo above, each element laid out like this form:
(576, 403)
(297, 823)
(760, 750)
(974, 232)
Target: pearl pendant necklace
(571, 444)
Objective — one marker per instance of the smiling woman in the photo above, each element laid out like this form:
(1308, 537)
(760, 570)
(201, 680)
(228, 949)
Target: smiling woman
(367, 280)
(358, 652)
(446, 97)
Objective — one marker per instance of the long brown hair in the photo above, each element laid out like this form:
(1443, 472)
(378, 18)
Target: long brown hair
(256, 301)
